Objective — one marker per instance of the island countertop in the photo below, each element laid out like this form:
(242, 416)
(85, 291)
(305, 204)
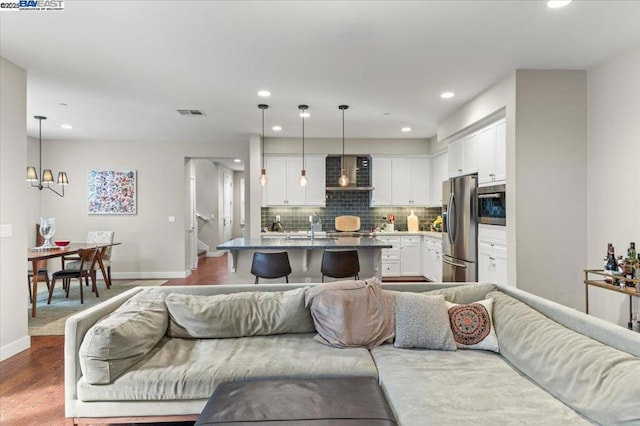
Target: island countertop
(303, 243)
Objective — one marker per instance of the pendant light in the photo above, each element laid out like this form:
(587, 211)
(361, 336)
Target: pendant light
(47, 174)
(343, 180)
(264, 179)
(303, 173)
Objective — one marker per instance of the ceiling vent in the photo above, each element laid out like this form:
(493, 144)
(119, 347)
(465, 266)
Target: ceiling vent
(192, 112)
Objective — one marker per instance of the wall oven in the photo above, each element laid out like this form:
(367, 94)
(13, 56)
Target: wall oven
(492, 205)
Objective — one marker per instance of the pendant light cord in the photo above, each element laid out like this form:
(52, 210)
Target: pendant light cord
(262, 140)
(40, 147)
(342, 159)
(303, 139)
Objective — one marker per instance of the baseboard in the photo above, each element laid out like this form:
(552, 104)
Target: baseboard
(149, 275)
(15, 347)
(216, 253)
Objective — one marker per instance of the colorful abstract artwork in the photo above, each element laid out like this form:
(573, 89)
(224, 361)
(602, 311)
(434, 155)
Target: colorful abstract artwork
(112, 192)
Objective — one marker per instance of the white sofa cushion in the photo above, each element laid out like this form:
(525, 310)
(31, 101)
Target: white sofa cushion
(428, 387)
(601, 382)
(188, 369)
(123, 338)
(254, 313)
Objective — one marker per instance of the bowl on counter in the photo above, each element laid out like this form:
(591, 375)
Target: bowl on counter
(62, 243)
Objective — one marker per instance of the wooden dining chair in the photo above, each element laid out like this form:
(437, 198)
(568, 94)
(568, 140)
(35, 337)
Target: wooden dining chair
(85, 270)
(95, 237)
(43, 274)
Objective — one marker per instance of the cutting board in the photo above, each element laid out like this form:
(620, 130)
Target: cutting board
(412, 222)
(347, 223)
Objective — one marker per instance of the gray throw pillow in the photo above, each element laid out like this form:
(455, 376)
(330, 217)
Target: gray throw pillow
(255, 313)
(352, 313)
(422, 322)
(465, 294)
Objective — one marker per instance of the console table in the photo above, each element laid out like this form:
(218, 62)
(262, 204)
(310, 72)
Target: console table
(599, 281)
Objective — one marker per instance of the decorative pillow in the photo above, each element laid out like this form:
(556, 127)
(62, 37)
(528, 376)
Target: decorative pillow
(256, 313)
(122, 339)
(352, 313)
(422, 322)
(464, 294)
(472, 325)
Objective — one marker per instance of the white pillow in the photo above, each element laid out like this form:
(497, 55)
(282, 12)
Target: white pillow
(422, 322)
(472, 325)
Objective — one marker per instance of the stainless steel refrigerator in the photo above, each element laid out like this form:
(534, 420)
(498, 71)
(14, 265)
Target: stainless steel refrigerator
(459, 239)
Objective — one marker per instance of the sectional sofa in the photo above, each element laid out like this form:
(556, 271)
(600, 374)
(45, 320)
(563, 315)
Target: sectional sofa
(164, 350)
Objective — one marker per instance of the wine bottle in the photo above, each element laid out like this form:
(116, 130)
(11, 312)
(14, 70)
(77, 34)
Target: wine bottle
(611, 266)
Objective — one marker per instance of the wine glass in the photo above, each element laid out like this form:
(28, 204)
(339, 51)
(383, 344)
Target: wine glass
(47, 229)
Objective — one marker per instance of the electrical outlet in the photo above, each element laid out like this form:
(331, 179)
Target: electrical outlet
(277, 218)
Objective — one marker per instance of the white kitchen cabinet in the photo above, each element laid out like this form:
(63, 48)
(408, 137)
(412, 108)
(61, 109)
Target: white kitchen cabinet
(410, 256)
(492, 254)
(316, 173)
(284, 187)
(390, 257)
(492, 159)
(432, 254)
(411, 181)
(439, 173)
(381, 181)
(463, 155)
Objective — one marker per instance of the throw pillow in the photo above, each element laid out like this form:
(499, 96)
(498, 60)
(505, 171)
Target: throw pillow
(352, 313)
(120, 340)
(472, 325)
(423, 322)
(255, 313)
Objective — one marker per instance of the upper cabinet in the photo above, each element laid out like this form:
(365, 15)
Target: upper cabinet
(439, 173)
(284, 187)
(401, 181)
(463, 155)
(492, 160)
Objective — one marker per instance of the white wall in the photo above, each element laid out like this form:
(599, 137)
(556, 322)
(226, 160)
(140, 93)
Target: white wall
(613, 178)
(13, 205)
(151, 245)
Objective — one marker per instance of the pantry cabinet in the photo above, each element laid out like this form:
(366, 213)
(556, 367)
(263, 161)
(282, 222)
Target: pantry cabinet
(492, 254)
(492, 160)
(284, 187)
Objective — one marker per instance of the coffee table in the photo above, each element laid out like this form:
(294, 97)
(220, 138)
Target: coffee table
(311, 402)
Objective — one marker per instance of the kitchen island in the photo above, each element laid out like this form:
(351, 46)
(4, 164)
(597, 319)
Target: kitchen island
(305, 255)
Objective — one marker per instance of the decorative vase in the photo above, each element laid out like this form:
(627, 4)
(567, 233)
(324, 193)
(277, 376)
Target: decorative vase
(47, 229)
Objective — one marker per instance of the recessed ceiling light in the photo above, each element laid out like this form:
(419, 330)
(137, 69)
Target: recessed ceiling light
(237, 160)
(264, 93)
(406, 129)
(305, 114)
(67, 126)
(556, 4)
(447, 95)
(276, 128)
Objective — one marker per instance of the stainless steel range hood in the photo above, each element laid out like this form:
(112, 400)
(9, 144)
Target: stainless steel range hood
(351, 169)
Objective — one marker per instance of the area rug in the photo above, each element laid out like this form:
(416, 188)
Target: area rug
(51, 318)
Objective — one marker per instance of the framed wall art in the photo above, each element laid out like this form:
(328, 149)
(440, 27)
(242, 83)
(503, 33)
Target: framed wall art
(112, 191)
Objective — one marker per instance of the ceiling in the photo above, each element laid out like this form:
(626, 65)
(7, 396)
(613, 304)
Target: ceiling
(124, 68)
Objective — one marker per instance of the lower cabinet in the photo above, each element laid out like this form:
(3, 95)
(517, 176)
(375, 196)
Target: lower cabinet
(432, 258)
(492, 254)
(404, 259)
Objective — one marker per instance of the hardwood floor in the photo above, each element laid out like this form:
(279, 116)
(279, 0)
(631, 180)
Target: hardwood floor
(32, 382)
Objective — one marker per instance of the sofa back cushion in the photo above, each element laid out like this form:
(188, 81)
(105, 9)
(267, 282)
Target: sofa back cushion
(465, 294)
(352, 313)
(123, 338)
(253, 313)
(598, 381)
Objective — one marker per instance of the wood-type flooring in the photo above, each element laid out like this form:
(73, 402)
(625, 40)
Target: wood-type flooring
(32, 382)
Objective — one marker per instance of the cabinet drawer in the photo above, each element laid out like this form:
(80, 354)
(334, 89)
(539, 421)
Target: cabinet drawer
(390, 268)
(390, 255)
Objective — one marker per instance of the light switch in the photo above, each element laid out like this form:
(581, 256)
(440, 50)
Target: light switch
(6, 231)
(172, 219)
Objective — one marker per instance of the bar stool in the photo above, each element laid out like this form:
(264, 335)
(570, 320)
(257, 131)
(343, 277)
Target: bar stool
(340, 264)
(270, 265)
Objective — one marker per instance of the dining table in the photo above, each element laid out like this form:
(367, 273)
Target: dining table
(36, 254)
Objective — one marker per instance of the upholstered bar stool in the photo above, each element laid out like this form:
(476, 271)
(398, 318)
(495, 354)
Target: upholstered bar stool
(340, 264)
(271, 265)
